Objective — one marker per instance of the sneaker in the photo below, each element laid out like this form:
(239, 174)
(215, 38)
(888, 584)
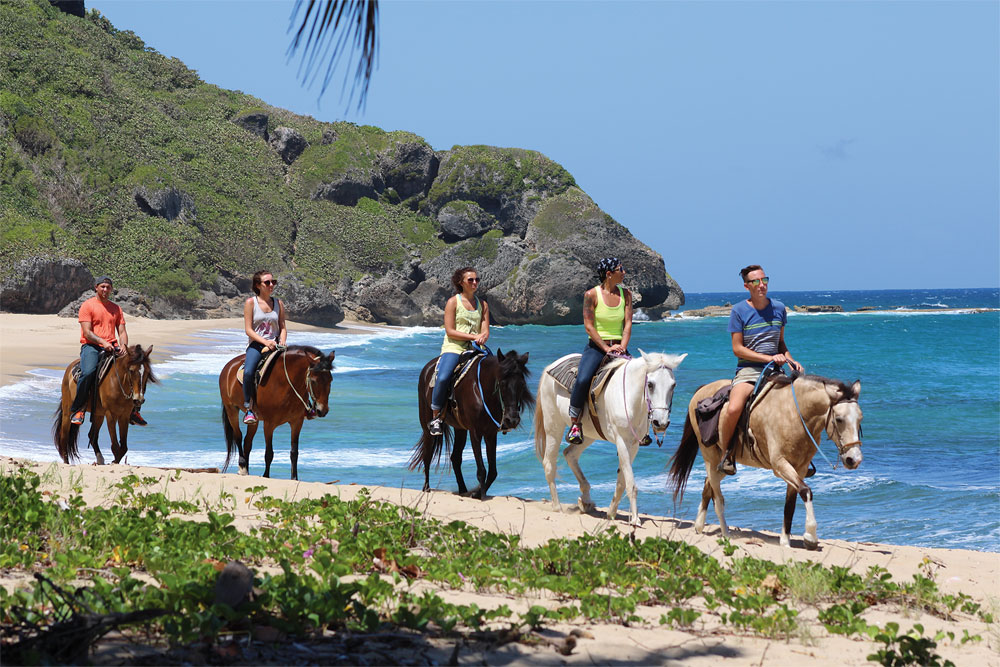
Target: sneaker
(726, 467)
(575, 435)
(250, 418)
(136, 418)
(78, 417)
(434, 428)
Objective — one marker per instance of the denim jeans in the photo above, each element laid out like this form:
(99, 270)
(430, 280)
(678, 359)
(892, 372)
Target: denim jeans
(254, 353)
(90, 357)
(446, 368)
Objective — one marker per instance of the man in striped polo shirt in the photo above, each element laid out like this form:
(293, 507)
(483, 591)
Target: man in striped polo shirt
(757, 327)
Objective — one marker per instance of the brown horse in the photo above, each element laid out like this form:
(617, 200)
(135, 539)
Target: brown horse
(296, 388)
(495, 387)
(121, 391)
(783, 444)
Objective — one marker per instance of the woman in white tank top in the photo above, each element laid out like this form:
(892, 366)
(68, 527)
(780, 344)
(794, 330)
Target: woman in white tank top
(264, 322)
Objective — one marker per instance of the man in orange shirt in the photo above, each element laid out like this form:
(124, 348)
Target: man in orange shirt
(102, 329)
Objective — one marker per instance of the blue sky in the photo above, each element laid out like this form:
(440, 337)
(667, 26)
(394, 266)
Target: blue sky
(842, 145)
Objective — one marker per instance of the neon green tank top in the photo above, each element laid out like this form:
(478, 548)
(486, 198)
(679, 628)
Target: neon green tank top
(610, 321)
(466, 321)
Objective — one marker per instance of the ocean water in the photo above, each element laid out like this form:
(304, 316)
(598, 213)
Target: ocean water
(930, 395)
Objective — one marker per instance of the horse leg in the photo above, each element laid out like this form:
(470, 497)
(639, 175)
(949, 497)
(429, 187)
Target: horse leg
(268, 449)
(93, 435)
(713, 480)
(491, 460)
(625, 483)
(477, 451)
(706, 496)
(118, 450)
(796, 484)
(294, 454)
(572, 454)
(550, 459)
(244, 461)
(457, 448)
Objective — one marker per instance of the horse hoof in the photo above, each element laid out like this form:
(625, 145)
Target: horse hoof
(587, 508)
(244, 471)
(811, 543)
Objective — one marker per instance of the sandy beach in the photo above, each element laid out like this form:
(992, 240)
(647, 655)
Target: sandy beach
(976, 574)
(50, 341)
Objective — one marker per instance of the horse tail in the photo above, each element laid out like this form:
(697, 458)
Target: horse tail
(232, 440)
(540, 426)
(683, 459)
(66, 447)
(428, 448)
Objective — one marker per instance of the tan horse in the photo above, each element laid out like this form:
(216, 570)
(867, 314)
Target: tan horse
(121, 391)
(296, 388)
(782, 443)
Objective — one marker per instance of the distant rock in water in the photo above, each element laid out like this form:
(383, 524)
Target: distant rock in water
(709, 311)
(818, 309)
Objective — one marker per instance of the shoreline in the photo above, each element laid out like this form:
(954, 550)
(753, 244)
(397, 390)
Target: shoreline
(29, 342)
(955, 571)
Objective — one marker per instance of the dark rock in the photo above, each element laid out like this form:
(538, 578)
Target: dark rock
(408, 167)
(309, 304)
(73, 7)
(135, 304)
(329, 136)
(44, 285)
(288, 143)
(234, 585)
(388, 303)
(224, 287)
(347, 188)
(169, 203)
(430, 297)
(464, 219)
(255, 122)
(709, 311)
(818, 309)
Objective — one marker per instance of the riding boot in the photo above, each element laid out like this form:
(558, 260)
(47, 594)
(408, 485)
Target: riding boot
(727, 466)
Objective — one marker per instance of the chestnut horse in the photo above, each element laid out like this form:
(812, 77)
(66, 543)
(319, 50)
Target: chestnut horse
(786, 425)
(295, 388)
(122, 390)
(495, 388)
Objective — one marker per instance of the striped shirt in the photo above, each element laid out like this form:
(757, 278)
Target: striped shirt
(761, 329)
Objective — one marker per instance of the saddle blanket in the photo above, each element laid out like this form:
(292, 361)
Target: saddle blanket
(464, 366)
(103, 366)
(564, 373)
(263, 367)
(709, 410)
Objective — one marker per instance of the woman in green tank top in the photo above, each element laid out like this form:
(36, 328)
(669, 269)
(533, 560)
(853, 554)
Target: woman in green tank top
(466, 321)
(607, 317)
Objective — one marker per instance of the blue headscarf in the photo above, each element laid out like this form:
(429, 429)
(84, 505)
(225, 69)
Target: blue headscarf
(607, 265)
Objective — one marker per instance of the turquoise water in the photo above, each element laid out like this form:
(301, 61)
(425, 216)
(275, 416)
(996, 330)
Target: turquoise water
(930, 395)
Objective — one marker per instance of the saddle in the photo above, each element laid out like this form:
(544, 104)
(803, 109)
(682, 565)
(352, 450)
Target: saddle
(461, 370)
(709, 410)
(263, 368)
(107, 359)
(564, 373)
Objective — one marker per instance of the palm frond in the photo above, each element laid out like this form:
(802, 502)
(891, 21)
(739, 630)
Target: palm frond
(328, 29)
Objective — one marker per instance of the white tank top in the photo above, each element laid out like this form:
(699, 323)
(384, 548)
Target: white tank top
(266, 324)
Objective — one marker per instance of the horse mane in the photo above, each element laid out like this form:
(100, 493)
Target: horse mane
(322, 364)
(843, 387)
(657, 359)
(511, 366)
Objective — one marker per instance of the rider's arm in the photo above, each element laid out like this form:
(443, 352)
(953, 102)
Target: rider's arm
(783, 351)
(627, 328)
(484, 325)
(589, 321)
(88, 333)
(282, 331)
(744, 352)
(122, 338)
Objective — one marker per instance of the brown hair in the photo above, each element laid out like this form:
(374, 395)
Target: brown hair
(257, 281)
(745, 271)
(456, 278)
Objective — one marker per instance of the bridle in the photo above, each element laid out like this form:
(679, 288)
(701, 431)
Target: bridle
(130, 394)
(310, 406)
(649, 403)
(841, 448)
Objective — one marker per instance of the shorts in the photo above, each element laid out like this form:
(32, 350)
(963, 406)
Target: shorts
(747, 374)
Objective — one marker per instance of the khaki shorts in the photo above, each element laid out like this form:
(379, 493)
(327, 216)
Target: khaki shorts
(747, 374)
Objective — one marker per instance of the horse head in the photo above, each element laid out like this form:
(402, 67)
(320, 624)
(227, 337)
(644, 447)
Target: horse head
(137, 372)
(843, 424)
(512, 386)
(320, 378)
(660, 385)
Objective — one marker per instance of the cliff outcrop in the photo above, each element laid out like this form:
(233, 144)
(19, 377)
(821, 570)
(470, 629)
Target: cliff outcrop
(118, 160)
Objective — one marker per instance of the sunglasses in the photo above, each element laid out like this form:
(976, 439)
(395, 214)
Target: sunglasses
(269, 282)
(472, 280)
(757, 281)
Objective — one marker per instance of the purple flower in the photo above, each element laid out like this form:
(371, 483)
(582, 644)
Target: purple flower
(308, 553)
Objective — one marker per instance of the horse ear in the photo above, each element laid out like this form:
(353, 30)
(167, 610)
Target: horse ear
(856, 389)
(499, 354)
(641, 353)
(524, 359)
(332, 354)
(680, 359)
(149, 350)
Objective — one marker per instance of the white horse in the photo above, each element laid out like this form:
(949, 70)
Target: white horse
(637, 395)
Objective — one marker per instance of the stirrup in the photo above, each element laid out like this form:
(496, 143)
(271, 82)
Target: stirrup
(434, 427)
(811, 471)
(726, 467)
(575, 435)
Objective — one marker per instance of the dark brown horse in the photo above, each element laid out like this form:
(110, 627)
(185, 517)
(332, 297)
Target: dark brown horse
(121, 391)
(295, 388)
(490, 399)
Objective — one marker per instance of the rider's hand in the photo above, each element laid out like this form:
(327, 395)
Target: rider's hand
(779, 360)
(271, 344)
(481, 339)
(616, 349)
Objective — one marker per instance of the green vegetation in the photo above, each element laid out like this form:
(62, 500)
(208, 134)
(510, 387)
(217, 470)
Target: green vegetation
(89, 113)
(559, 217)
(351, 565)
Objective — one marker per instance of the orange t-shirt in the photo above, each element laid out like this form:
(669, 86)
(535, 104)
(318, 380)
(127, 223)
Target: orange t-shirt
(104, 318)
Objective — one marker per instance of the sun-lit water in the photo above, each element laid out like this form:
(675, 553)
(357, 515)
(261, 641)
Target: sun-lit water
(930, 395)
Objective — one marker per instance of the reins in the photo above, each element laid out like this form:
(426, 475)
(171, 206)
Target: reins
(841, 448)
(482, 394)
(645, 395)
(311, 406)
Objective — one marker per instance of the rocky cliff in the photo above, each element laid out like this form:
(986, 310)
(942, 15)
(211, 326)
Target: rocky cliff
(119, 160)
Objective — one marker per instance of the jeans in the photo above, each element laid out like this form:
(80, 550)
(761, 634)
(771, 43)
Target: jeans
(589, 363)
(90, 357)
(254, 353)
(446, 367)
